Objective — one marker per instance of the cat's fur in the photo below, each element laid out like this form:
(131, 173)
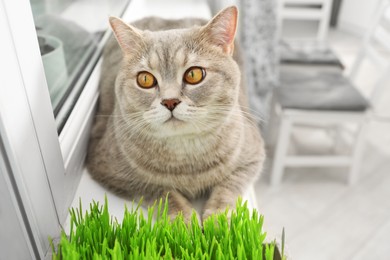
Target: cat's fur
(214, 150)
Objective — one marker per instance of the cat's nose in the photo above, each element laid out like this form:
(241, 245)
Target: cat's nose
(170, 103)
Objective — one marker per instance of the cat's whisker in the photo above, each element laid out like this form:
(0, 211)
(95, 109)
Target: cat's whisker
(236, 120)
(134, 114)
(197, 121)
(239, 105)
(247, 117)
(244, 109)
(129, 128)
(250, 112)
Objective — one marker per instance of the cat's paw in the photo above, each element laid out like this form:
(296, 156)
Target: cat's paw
(209, 212)
(187, 216)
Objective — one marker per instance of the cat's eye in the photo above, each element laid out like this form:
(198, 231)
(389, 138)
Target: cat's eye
(194, 75)
(146, 80)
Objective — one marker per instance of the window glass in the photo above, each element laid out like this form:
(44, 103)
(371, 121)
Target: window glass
(71, 34)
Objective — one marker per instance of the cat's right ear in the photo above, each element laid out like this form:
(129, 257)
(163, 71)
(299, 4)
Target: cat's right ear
(127, 36)
(221, 30)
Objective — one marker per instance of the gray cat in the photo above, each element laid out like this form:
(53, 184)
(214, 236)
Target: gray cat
(173, 117)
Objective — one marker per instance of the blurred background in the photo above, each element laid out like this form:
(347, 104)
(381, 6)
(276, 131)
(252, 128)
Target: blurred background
(328, 130)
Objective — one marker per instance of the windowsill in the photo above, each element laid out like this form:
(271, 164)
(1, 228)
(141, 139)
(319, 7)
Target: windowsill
(89, 190)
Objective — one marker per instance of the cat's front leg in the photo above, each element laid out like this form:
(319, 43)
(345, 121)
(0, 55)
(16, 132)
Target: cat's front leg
(178, 203)
(227, 192)
(220, 198)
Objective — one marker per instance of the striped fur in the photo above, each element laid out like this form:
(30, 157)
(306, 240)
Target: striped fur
(215, 148)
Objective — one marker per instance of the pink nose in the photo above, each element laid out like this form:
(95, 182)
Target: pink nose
(170, 103)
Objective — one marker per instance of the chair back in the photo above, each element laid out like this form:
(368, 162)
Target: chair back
(305, 10)
(374, 55)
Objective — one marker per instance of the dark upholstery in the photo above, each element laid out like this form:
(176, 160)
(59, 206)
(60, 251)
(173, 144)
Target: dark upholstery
(316, 88)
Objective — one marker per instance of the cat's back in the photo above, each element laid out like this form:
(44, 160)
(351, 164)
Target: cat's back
(112, 49)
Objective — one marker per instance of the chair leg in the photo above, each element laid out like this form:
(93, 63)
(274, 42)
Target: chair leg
(324, 21)
(281, 151)
(357, 154)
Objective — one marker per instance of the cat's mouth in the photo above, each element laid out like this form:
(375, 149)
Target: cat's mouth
(173, 120)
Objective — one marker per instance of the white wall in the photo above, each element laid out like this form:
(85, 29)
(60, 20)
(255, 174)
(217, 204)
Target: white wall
(355, 15)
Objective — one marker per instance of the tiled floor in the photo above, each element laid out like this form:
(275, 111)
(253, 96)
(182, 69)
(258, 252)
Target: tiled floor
(323, 217)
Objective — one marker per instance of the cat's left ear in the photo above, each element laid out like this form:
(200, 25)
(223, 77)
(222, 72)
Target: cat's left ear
(221, 30)
(128, 37)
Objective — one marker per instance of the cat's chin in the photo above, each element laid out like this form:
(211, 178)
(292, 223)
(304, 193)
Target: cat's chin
(173, 120)
(176, 127)
(174, 124)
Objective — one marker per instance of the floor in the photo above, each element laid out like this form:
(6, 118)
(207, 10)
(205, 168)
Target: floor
(323, 217)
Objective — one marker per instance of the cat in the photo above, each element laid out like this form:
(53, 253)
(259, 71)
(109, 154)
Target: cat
(173, 117)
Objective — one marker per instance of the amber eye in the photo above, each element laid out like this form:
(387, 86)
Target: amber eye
(194, 75)
(146, 80)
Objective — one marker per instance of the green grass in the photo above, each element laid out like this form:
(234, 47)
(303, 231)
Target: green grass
(95, 235)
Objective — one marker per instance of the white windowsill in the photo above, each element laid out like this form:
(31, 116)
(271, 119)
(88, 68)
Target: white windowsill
(89, 190)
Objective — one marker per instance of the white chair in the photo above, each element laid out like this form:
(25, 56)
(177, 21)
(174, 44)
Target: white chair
(306, 10)
(322, 96)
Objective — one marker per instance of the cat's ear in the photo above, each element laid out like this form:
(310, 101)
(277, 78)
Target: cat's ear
(221, 30)
(127, 36)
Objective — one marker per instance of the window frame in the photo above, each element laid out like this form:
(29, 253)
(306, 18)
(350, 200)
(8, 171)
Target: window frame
(27, 125)
(46, 166)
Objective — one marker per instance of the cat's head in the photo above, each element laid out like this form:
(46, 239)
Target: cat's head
(179, 81)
